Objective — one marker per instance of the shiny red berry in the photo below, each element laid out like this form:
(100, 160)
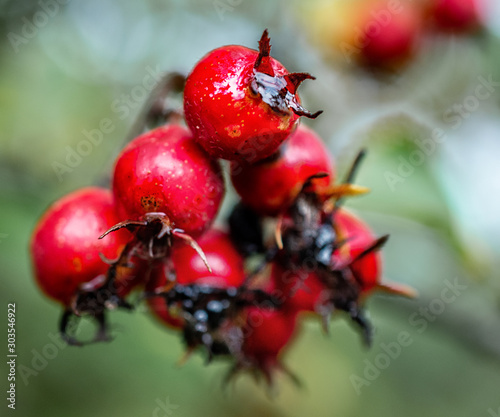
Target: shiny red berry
(241, 104)
(65, 248)
(164, 171)
(309, 287)
(224, 259)
(271, 185)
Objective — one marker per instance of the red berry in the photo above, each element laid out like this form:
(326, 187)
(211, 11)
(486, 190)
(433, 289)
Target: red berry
(359, 237)
(165, 171)
(266, 335)
(226, 263)
(389, 37)
(271, 185)
(65, 247)
(299, 289)
(241, 104)
(364, 258)
(302, 288)
(454, 15)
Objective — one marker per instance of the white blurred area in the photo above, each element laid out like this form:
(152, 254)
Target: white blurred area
(115, 40)
(490, 13)
(470, 173)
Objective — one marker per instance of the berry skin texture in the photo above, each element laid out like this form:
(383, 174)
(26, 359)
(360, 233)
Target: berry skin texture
(227, 264)
(241, 104)
(454, 15)
(270, 186)
(165, 171)
(65, 247)
(227, 270)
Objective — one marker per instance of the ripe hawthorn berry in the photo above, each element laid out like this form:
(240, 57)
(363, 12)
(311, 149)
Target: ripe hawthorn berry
(335, 270)
(65, 248)
(303, 286)
(68, 256)
(317, 269)
(241, 104)
(271, 185)
(166, 186)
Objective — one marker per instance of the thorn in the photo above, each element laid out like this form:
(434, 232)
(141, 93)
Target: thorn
(301, 111)
(325, 321)
(397, 289)
(277, 233)
(351, 174)
(94, 284)
(375, 246)
(290, 374)
(355, 165)
(102, 334)
(191, 242)
(165, 289)
(129, 224)
(63, 328)
(359, 318)
(185, 357)
(150, 248)
(350, 190)
(264, 49)
(294, 79)
(166, 227)
(107, 260)
(337, 192)
(310, 179)
(231, 375)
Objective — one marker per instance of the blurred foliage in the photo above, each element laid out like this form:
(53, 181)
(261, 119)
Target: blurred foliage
(62, 81)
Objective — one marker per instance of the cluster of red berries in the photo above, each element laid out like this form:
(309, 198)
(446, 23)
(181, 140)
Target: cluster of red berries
(237, 291)
(392, 30)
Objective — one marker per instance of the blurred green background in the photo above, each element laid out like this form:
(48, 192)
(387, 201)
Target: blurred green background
(64, 68)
